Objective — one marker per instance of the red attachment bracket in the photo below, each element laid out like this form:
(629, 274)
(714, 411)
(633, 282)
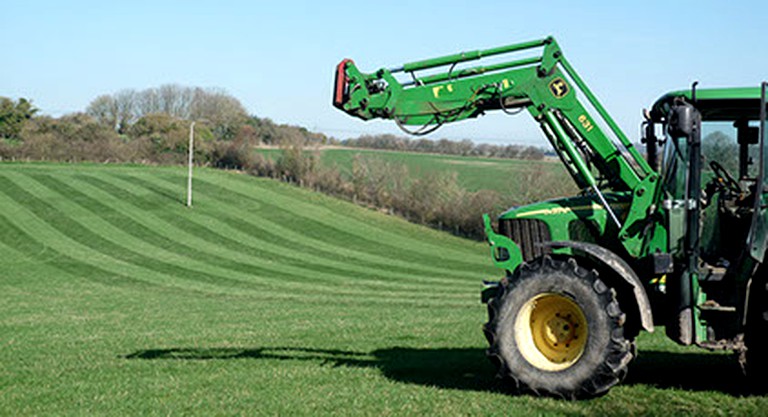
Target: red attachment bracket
(341, 92)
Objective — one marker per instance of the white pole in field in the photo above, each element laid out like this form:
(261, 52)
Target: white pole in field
(191, 151)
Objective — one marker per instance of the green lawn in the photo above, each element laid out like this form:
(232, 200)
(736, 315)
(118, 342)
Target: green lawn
(265, 299)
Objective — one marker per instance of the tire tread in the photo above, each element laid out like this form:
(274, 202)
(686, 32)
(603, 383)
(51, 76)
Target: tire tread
(610, 372)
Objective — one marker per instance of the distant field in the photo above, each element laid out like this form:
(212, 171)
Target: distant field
(265, 299)
(502, 175)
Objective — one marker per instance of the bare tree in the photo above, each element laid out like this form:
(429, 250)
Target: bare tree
(225, 114)
(104, 110)
(176, 100)
(149, 102)
(118, 111)
(127, 114)
(223, 111)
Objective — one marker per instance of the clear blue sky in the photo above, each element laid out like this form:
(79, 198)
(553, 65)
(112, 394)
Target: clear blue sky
(278, 57)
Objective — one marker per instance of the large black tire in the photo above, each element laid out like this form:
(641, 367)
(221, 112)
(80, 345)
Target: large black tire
(537, 336)
(756, 334)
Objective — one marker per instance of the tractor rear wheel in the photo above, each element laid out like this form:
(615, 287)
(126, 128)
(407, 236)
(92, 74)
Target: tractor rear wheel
(756, 334)
(556, 329)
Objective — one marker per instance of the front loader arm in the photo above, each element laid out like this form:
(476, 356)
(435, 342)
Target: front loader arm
(594, 150)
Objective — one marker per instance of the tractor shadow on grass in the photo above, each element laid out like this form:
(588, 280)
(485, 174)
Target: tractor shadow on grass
(468, 369)
(464, 369)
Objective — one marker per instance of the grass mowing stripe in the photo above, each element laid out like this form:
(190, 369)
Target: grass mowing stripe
(265, 237)
(191, 263)
(69, 239)
(285, 270)
(72, 258)
(67, 226)
(297, 237)
(315, 226)
(426, 236)
(189, 230)
(341, 233)
(281, 202)
(38, 252)
(90, 238)
(351, 227)
(74, 249)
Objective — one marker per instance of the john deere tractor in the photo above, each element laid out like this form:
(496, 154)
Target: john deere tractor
(674, 237)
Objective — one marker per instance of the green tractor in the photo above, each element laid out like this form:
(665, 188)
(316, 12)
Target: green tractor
(675, 237)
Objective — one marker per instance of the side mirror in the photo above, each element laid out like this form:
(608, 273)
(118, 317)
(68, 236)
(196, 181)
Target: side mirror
(651, 144)
(748, 135)
(682, 120)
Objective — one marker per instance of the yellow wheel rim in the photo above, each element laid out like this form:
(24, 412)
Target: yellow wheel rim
(551, 332)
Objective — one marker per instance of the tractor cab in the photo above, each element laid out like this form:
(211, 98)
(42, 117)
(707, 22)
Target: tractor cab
(712, 185)
(730, 164)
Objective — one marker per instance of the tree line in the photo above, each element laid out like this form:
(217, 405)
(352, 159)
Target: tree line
(444, 146)
(224, 114)
(147, 126)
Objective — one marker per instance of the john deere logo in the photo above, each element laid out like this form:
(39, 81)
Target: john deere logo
(558, 87)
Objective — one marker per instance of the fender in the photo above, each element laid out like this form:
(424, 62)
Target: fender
(607, 259)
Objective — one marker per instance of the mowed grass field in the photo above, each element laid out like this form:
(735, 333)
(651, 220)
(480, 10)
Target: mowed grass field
(473, 173)
(265, 299)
